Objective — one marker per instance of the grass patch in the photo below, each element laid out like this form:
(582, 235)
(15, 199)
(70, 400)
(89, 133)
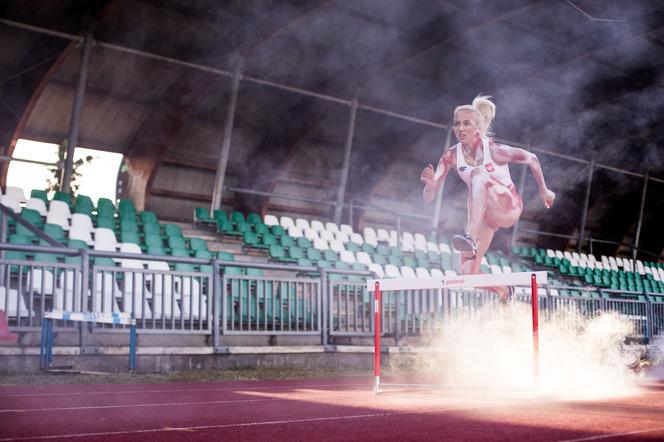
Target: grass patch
(240, 374)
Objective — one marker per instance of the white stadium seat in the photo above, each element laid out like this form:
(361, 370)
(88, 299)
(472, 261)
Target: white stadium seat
(363, 258)
(271, 220)
(356, 238)
(408, 272)
(335, 245)
(341, 236)
(295, 232)
(347, 257)
(331, 227)
(320, 244)
(377, 269)
(16, 193)
(421, 272)
(286, 222)
(37, 204)
(302, 223)
(391, 271)
(310, 233)
(347, 229)
(317, 225)
(370, 236)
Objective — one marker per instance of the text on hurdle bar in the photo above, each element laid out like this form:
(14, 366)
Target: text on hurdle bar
(457, 281)
(106, 318)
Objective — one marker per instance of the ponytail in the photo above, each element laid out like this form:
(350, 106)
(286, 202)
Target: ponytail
(486, 111)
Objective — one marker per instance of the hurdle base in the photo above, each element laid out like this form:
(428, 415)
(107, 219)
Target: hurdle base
(376, 388)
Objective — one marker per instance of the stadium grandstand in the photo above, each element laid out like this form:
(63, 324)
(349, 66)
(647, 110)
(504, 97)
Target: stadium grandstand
(257, 167)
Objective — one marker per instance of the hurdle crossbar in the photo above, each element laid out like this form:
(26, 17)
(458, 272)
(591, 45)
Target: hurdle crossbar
(116, 318)
(455, 282)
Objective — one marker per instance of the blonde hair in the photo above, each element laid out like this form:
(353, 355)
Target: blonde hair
(484, 111)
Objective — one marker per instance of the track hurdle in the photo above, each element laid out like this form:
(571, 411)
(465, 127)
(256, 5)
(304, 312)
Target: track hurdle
(46, 348)
(455, 282)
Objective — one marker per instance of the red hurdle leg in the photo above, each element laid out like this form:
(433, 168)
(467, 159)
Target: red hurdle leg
(377, 339)
(535, 307)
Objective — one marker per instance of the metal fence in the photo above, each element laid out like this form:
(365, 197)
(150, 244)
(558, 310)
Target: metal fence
(215, 298)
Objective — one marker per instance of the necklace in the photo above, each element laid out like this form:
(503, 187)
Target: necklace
(469, 159)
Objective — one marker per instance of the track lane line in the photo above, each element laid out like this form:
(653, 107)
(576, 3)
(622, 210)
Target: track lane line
(613, 435)
(243, 424)
(194, 390)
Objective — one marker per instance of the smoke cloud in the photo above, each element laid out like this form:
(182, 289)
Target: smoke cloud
(580, 358)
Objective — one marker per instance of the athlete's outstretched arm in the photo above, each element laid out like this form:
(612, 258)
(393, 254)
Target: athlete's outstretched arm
(432, 182)
(507, 154)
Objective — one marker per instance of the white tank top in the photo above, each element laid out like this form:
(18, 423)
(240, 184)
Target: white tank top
(500, 172)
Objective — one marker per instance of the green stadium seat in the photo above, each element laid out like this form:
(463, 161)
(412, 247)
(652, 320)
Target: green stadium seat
(330, 255)
(202, 216)
(198, 244)
(106, 222)
(368, 248)
(130, 237)
(39, 193)
(352, 247)
(180, 252)
(269, 239)
(254, 218)
(151, 229)
(77, 244)
(84, 205)
(152, 240)
(15, 254)
(203, 254)
(251, 240)
(176, 242)
(128, 225)
(379, 259)
(237, 217)
(55, 231)
(295, 253)
(304, 243)
(261, 229)
(278, 231)
(394, 260)
(314, 254)
(278, 253)
(148, 217)
(219, 215)
(225, 227)
(172, 230)
(62, 196)
(287, 241)
(382, 249)
(225, 256)
(156, 250)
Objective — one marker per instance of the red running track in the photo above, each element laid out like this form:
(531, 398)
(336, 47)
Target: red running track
(322, 409)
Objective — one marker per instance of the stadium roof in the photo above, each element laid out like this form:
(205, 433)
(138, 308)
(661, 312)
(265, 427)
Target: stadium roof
(578, 77)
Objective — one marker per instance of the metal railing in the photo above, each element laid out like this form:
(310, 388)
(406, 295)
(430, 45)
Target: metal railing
(213, 298)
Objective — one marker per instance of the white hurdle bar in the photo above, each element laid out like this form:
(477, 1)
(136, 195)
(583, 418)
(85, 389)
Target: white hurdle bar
(456, 282)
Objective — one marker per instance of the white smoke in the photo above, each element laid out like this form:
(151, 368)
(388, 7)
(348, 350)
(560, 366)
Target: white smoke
(580, 358)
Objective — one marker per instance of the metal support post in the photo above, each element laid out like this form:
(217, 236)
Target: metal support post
(74, 124)
(439, 195)
(348, 148)
(637, 236)
(586, 202)
(226, 144)
(324, 308)
(82, 296)
(521, 190)
(216, 311)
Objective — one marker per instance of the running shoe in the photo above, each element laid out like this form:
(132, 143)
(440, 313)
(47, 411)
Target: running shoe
(464, 243)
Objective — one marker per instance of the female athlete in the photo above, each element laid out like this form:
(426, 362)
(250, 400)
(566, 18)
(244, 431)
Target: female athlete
(482, 164)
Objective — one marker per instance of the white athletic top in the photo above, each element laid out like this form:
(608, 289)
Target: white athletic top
(500, 172)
